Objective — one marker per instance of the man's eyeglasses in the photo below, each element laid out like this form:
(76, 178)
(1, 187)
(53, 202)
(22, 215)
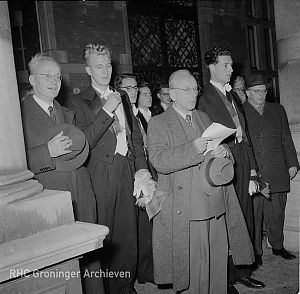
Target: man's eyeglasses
(165, 94)
(188, 91)
(130, 88)
(50, 77)
(257, 91)
(238, 90)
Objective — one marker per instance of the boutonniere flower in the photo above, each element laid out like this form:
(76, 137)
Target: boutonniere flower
(228, 87)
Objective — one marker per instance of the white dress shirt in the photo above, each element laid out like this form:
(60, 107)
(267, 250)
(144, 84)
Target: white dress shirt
(145, 113)
(121, 146)
(44, 105)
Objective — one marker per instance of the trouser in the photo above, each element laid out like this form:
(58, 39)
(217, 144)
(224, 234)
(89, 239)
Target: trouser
(236, 272)
(272, 211)
(113, 187)
(145, 254)
(90, 268)
(241, 185)
(208, 257)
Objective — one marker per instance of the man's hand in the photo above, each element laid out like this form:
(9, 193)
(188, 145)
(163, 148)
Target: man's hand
(220, 151)
(293, 171)
(59, 145)
(112, 102)
(143, 184)
(253, 187)
(201, 144)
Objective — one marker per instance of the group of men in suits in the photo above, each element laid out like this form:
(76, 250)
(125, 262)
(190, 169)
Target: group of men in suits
(176, 150)
(116, 168)
(194, 232)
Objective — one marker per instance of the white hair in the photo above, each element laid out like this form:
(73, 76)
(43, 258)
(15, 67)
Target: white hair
(37, 59)
(178, 74)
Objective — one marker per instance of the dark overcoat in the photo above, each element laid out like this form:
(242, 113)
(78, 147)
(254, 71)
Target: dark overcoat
(272, 143)
(35, 124)
(212, 104)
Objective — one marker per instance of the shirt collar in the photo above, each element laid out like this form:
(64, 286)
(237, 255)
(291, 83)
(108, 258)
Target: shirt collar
(164, 105)
(105, 93)
(135, 110)
(181, 113)
(145, 112)
(223, 89)
(42, 103)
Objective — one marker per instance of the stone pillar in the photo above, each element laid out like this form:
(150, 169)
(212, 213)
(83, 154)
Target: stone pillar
(13, 166)
(33, 239)
(288, 45)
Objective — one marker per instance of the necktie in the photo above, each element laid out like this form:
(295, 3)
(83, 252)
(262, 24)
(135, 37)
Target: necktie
(188, 118)
(52, 113)
(98, 103)
(234, 115)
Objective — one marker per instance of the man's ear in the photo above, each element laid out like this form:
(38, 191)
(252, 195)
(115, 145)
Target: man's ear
(172, 94)
(211, 67)
(158, 96)
(32, 80)
(88, 70)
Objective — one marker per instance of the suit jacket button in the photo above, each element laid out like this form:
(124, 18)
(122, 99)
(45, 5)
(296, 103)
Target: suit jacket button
(179, 212)
(179, 188)
(107, 155)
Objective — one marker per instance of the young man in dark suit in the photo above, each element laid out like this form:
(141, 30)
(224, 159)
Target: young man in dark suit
(277, 162)
(116, 165)
(218, 103)
(164, 100)
(128, 83)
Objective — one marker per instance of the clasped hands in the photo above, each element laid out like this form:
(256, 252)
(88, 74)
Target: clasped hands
(144, 187)
(59, 145)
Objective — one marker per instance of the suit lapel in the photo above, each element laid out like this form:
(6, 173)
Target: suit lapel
(200, 126)
(127, 109)
(219, 106)
(37, 121)
(176, 125)
(268, 116)
(91, 97)
(143, 121)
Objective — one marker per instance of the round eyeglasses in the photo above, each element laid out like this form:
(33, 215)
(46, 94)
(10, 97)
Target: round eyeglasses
(49, 77)
(258, 91)
(190, 90)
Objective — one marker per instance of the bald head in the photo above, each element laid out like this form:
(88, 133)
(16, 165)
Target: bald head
(177, 76)
(183, 90)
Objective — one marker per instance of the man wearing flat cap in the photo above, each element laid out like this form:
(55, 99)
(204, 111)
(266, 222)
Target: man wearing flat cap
(56, 151)
(276, 159)
(190, 245)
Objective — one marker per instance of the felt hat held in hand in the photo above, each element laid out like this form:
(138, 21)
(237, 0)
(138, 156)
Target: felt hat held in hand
(79, 147)
(215, 172)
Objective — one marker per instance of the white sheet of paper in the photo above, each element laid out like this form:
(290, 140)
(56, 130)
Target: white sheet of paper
(218, 133)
